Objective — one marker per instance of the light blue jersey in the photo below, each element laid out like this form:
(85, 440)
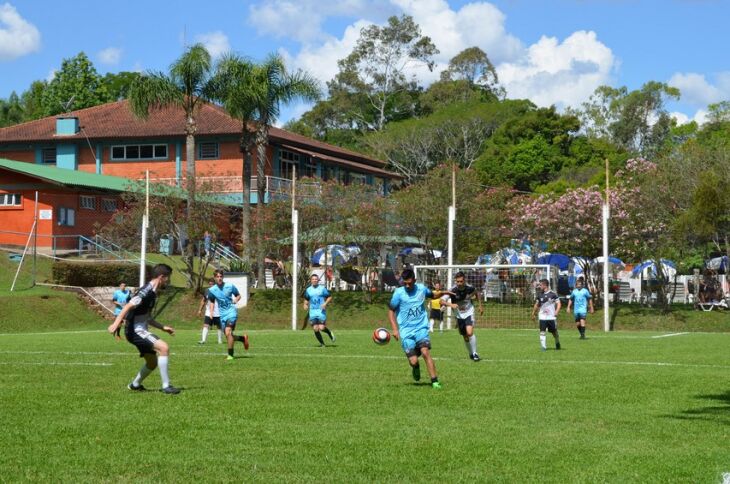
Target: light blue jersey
(316, 297)
(410, 309)
(580, 299)
(223, 295)
(121, 297)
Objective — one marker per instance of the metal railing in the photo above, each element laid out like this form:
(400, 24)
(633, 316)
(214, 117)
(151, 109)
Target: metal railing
(233, 184)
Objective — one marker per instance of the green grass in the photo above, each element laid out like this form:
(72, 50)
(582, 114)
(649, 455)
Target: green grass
(621, 407)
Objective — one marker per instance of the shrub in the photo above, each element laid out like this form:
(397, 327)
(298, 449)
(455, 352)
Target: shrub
(96, 274)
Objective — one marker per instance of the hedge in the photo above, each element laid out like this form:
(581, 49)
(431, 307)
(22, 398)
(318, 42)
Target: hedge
(96, 274)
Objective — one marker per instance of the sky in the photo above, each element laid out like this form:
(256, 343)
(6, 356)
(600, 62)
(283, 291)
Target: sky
(553, 52)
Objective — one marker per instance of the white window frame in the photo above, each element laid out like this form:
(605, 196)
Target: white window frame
(11, 200)
(87, 202)
(109, 204)
(209, 156)
(139, 150)
(48, 161)
(66, 216)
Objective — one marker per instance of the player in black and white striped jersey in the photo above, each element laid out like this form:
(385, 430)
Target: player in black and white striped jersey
(137, 314)
(547, 306)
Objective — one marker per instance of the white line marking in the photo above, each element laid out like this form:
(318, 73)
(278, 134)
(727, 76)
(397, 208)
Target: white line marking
(54, 332)
(318, 353)
(668, 335)
(50, 363)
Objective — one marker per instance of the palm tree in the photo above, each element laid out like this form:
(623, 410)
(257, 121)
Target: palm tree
(236, 89)
(274, 86)
(187, 86)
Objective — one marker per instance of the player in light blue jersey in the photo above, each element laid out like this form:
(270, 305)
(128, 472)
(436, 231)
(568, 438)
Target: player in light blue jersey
(581, 298)
(120, 298)
(409, 323)
(226, 295)
(316, 300)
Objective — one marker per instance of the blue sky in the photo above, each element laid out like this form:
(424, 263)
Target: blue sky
(553, 52)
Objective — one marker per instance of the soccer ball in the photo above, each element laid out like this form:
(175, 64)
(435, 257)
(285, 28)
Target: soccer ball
(381, 336)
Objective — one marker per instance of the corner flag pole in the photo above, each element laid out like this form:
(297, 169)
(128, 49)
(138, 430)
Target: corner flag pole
(606, 215)
(145, 223)
(295, 250)
(450, 249)
(35, 236)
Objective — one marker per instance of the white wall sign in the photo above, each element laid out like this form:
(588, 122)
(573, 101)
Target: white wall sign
(45, 214)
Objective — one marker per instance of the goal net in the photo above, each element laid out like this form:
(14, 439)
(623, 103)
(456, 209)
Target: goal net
(507, 292)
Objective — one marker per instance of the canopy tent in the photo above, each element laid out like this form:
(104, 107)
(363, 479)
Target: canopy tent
(719, 264)
(417, 251)
(561, 261)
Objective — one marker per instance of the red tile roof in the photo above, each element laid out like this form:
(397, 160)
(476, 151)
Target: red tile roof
(116, 121)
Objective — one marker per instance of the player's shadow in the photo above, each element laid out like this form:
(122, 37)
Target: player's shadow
(418, 384)
(718, 412)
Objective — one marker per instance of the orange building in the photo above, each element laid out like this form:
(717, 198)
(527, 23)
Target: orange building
(109, 142)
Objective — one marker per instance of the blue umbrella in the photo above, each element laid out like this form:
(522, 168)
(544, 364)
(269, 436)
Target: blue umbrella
(718, 264)
(562, 261)
(330, 255)
(647, 269)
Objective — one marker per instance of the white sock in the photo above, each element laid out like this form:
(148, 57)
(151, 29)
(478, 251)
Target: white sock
(430, 325)
(162, 363)
(473, 343)
(143, 373)
(441, 326)
(204, 336)
(543, 340)
(220, 336)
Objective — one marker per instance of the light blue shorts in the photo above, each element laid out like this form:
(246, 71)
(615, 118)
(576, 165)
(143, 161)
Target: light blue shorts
(414, 341)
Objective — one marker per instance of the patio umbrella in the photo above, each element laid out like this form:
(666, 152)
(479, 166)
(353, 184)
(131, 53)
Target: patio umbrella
(561, 261)
(648, 270)
(612, 261)
(419, 251)
(330, 255)
(719, 264)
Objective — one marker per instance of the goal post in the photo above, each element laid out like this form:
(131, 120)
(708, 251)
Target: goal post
(507, 292)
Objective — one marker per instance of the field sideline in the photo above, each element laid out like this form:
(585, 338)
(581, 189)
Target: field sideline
(617, 407)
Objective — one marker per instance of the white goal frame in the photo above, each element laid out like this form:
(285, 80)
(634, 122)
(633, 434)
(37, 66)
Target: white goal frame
(453, 268)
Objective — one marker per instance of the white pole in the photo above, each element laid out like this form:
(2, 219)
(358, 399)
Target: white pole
(35, 235)
(145, 223)
(295, 252)
(606, 215)
(450, 249)
(22, 258)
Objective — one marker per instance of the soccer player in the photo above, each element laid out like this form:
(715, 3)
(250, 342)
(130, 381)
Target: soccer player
(226, 295)
(583, 302)
(316, 300)
(138, 315)
(407, 313)
(211, 318)
(436, 309)
(462, 299)
(120, 298)
(548, 304)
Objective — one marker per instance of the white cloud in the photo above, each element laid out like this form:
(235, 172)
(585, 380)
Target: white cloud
(51, 75)
(216, 43)
(700, 117)
(561, 73)
(697, 91)
(110, 56)
(18, 37)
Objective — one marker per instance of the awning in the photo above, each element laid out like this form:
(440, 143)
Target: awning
(341, 161)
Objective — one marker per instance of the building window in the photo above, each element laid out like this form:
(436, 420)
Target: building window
(66, 216)
(109, 204)
(358, 179)
(87, 202)
(48, 156)
(287, 161)
(139, 152)
(208, 151)
(309, 167)
(10, 199)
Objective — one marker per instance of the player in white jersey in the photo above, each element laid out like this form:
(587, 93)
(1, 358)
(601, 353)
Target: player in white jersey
(462, 299)
(212, 318)
(547, 307)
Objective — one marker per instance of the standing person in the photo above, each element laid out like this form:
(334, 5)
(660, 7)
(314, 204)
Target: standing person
(436, 309)
(548, 304)
(316, 300)
(226, 295)
(207, 238)
(138, 315)
(462, 299)
(120, 298)
(583, 302)
(407, 313)
(212, 318)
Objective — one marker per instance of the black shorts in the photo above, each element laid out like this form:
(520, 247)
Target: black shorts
(314, 321)
(548, 324)
(437, 315)
(214, 321)
(463, 323)
(579, 317)
(142, 339)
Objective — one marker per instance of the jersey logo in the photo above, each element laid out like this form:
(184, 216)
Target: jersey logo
(415, 312)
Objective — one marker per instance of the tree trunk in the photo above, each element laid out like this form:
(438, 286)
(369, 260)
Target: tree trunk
(246, 206)
(261, 138)
(190, 169)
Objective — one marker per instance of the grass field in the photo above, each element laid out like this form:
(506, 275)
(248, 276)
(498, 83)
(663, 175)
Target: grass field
(618, 407)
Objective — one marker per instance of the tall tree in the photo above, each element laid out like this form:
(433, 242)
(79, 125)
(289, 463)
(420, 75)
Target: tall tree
(374, 75)
(274, 86)
(76, 85)
(118, 84)
(187, 86)
(473, 66)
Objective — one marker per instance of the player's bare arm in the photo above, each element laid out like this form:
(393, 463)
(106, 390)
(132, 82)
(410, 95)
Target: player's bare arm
(120, 317)
(558, 305)
(590, 306)
(393, 324)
